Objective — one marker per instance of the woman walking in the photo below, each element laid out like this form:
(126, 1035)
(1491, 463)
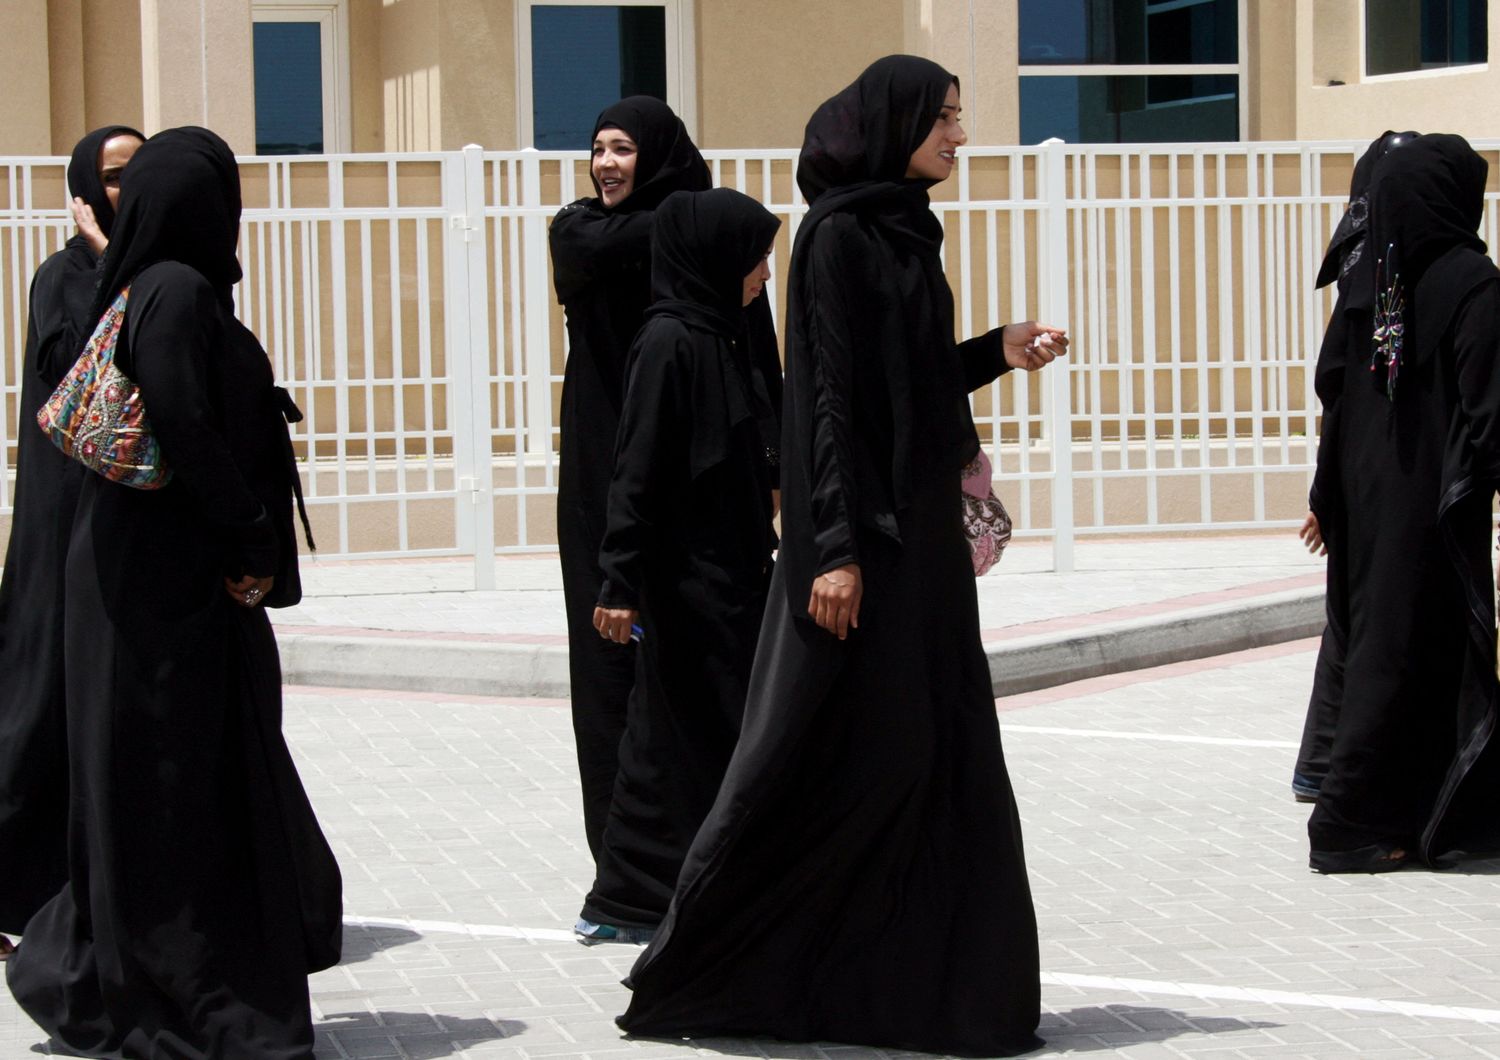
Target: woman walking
(687, 550)
(200, 890)
(601, 269)
(860, 878)
(33, 725)
(1403, 494)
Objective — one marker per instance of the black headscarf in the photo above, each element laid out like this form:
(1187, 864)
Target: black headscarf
(179, 201)
(858, 144)
(83, 172)
(704, 244)
(1426, 201)
(1346, 248)
(667, 160)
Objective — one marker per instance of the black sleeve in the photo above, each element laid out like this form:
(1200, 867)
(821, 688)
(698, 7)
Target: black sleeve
(61, 293)
(835, 258)
(1476, 349)
(587, 243)
(174, 330)
(647, 448)
(983, 359)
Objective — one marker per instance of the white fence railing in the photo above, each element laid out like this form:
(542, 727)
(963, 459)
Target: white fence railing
(406, 300)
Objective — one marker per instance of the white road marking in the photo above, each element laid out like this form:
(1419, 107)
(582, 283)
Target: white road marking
(1201, 991)
(1162, 737)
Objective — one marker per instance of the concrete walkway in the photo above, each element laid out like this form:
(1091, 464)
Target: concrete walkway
(1131, 603)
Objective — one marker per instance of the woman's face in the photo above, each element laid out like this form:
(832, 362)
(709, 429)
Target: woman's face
(117, 151)
(613, 166)
(755, 282)
(934, 160)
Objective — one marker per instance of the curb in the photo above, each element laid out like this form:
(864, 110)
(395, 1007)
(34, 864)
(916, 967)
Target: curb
(1023, 664)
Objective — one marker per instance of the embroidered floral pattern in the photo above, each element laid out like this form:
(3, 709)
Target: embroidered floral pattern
(1390, 326)
(987, 524)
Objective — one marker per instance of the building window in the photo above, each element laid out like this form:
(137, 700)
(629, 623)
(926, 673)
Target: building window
(1112, 71)
(577, 58)
(301, 89)
(1409, 35)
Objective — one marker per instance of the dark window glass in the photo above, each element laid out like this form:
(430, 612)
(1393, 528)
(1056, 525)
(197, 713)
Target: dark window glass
(288, 88)
(1129, 109)
(585, 58)
(1129, 31)
(1424, 34)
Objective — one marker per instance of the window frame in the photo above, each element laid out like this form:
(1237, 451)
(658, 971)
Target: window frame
(1365, 77)
(1239, 69)
(332, 17)
(681, 51)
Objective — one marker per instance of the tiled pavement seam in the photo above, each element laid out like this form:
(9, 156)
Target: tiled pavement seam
(1161, 839)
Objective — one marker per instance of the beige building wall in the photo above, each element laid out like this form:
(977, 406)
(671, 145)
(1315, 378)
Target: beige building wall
(110, 67)
(27, 128)
(195, 65)
(1461, 100)
(1270, 77)
(763, 68)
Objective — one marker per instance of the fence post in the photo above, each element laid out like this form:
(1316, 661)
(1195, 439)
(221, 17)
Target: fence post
(537, 292)
(467, 300)
(1054, 291)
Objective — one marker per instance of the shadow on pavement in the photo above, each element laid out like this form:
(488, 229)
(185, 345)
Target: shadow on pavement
(1100, 1027)
(363, 941)
(413, 1033)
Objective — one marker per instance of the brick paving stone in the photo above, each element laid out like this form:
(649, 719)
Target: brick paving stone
(1178, 863)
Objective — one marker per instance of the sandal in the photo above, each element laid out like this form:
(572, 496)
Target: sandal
(7, 947)
(1378, 857)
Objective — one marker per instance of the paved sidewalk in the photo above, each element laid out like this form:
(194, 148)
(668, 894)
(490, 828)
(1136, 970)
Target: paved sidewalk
(1130, 603)
(1168, 863)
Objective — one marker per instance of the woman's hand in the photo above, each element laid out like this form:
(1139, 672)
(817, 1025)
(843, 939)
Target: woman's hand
(1312, 536)
(775, 503)
(249, 591)
(1029, 345)
(88, 227)
(834, 604)
(613, 623)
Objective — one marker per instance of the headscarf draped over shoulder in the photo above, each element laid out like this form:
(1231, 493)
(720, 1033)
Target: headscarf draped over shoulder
(704, 244)
(667, 160)
(83, 172)
(179, 201)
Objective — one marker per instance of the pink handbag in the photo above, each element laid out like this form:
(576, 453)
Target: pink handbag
(986, 522)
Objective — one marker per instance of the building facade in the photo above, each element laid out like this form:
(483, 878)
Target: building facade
(288, 76)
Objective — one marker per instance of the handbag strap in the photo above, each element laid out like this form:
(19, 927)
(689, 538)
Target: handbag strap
(293, 414)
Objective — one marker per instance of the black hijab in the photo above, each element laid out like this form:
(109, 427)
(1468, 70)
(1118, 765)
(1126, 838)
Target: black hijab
(703, 245)
(83, 172)
(179, 201)
(1346, 248)
(857, 145)
(667, 160)
(1426, 202)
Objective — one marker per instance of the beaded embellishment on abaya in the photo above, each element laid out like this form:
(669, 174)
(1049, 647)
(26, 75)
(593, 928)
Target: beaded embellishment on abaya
(1390, 327)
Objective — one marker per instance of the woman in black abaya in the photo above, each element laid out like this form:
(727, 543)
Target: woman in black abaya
(200, 890)
(688, 546)
(1348, 264)
(33, 730)
(601, 268)
(1403, 496)
(861, 878)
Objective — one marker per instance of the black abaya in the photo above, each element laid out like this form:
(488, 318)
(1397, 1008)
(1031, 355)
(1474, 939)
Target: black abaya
(33, 731)
(201, 892)
(601, 264)
(688, 545)
(861, 877)
(1405, 482)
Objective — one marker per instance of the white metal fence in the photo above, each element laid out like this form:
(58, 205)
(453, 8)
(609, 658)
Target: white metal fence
(406, 300)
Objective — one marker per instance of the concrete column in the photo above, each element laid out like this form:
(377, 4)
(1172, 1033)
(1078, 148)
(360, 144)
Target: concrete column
(111, 68)
(197, 67)
(67, 74)
(977, 40)
(27, 128)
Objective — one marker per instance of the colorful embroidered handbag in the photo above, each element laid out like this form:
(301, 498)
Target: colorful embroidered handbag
(986, 522)
(96, 417)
